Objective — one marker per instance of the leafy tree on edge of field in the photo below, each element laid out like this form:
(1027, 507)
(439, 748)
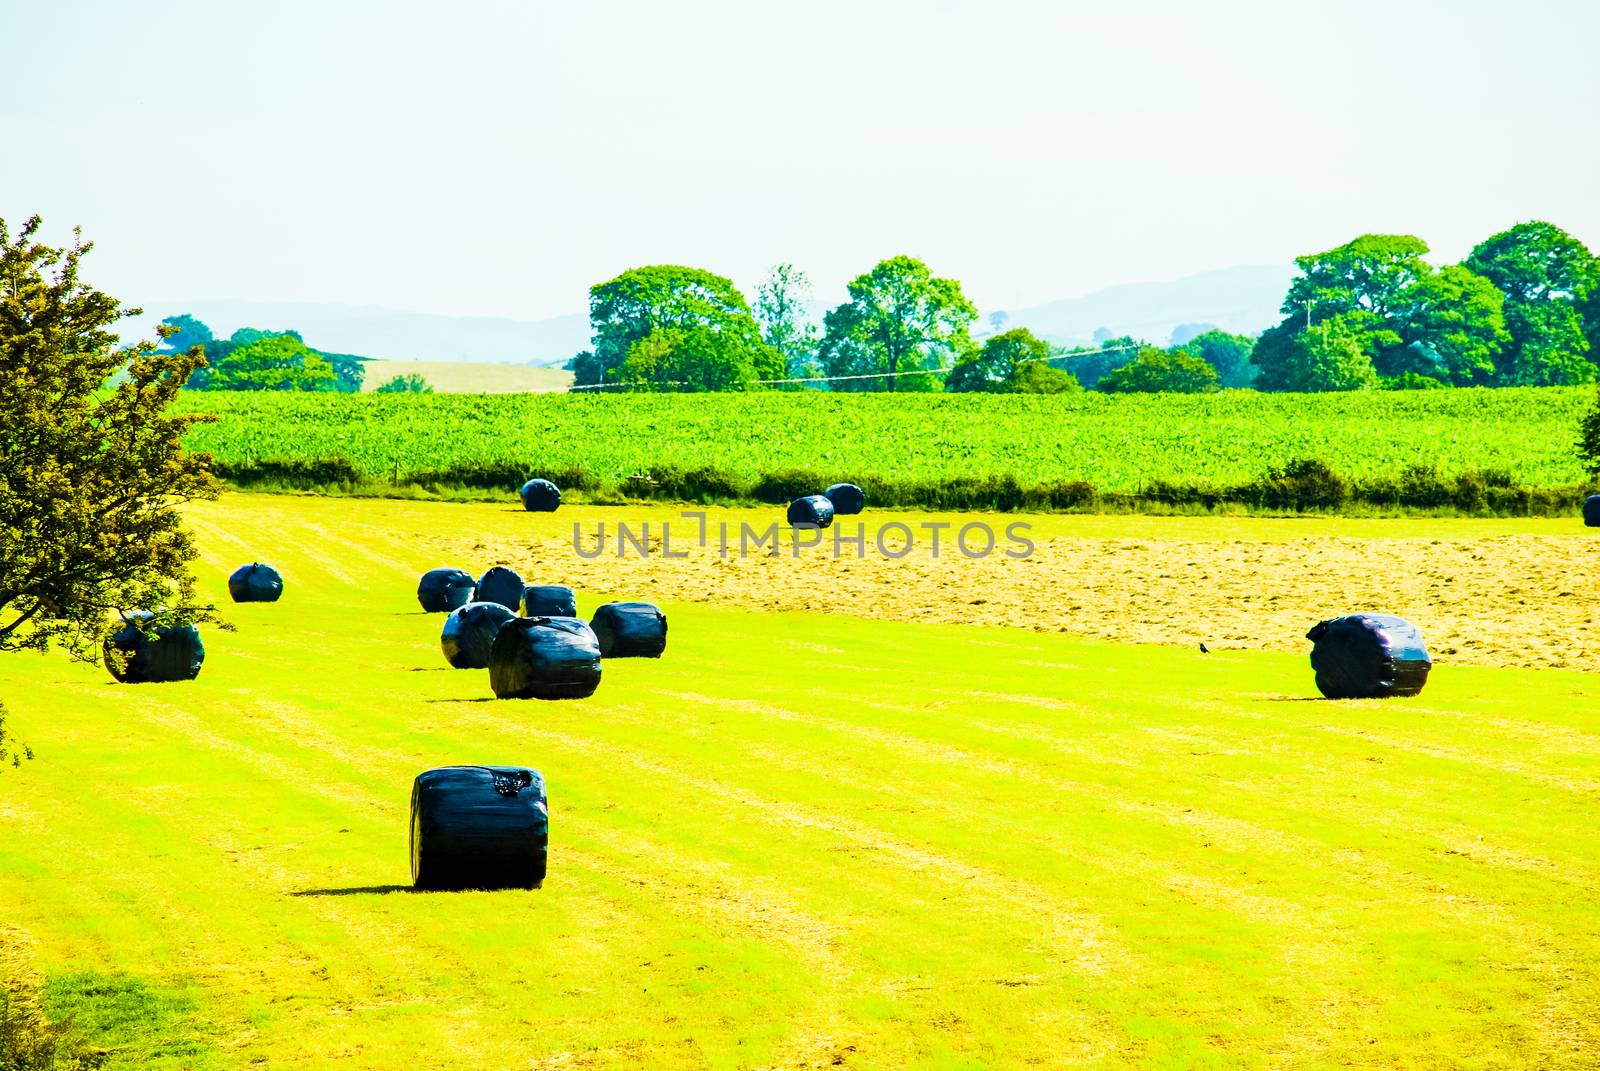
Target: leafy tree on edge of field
(1011, 363)
(900, 319)
(1451, 327)
(640, 301)
(1334, 355)
(274, 362)
(1547, 276)
(1155, 371)
(691, 359)
(411, 383)
(1228, 353)
(780, 310)
(187, 333)
(1090, 368)
(91, 476)
(348, 368)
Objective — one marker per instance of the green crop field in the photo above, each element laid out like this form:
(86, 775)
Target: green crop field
(798, 840)
(1117, 443)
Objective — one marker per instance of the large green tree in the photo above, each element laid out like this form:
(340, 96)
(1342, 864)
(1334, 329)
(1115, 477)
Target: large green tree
(900, 319)
(1369, 274)
(1228, 353)
(785, 324)
(1334, 355)
(1015, 362)
(691, 359)
(627, 309)
(1158, 371)
(91, 474)
(1451, 326)
(186, 332)
(1547, 276)
(274, 362)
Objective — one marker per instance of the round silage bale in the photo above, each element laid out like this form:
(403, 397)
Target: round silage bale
(1368, 656)
(1591, 511)
(630, 630)
(500, 585)
(540, 496)
(847, 499)
(255, 583)
(469, 633)
(138, 654)
(479, 827)
(442, 590)
(549, 600)
(544, 658)
(813, 510)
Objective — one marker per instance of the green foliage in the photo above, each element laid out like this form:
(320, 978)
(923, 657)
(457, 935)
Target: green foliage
(415, 383)
(1589, 439)
(183, 332)
(1369, 274)
(274, 362)
(12, 750)
(1547, 276)
(900, 319)
(1156, 371)
(1413, 381)
(1090, 368)
(1011, 363)
(1548, 347)
(31, 1042)
(694, 359)
(1228, 353)
(143, 1024)
(1333, 356)
(641, 301)
(90, 478)
(1455, 320)
(785, 326)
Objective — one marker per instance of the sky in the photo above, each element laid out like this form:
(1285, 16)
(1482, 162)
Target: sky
(498, 158)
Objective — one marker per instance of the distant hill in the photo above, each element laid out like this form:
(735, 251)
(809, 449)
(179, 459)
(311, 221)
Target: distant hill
(373, 331)
(1243, 300)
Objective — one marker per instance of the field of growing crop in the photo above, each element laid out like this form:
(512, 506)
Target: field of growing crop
(1116, 443)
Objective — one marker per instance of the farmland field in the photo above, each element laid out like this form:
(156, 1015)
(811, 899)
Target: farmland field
(852, 835)
(1115, 442)
(471, 377)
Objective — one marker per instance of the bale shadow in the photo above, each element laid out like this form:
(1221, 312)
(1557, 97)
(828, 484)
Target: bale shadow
(1300, 699)
(432, 669)
(356, 890)
(479, 699)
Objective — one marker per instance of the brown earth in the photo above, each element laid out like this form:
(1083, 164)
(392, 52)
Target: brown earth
(1508, 600)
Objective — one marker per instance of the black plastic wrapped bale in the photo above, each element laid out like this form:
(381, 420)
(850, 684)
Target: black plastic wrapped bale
(443, 590)
(630, 630)
(847, 498)
(540, 496)
(479, 827)
(545, 658)
(169, 653)
(469, 633)
(1368, 656)
(549, 600)
(814, 510)
(1591, 511)
(501, 585)
(255, 583)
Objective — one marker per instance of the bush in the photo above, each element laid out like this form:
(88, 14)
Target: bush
(30, 1042)
(11, 750)
(408, 384)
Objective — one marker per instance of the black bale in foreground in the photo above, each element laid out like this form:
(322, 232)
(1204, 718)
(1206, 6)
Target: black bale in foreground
(847, 498)
(501, 585)
(540, 496)
(1591, 511)
(813, 510)
(630, 630)
(443, 590)
(255, 583)
(549, 600)
(479, 827)
(1368, 656)
(468, 633)
(544, 658)
(171, 653)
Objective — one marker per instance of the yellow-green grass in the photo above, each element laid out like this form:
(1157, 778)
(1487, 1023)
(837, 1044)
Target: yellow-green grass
(471, 377)
(800, 841)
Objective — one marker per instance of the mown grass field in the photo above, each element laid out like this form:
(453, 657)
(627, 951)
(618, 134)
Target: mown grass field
(799, 840)
(1115, 442)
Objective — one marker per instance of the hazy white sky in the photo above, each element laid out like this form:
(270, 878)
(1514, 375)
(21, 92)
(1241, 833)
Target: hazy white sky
(483, 157)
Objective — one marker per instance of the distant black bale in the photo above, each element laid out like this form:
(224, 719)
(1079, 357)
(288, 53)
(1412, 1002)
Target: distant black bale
(630, 630)
(1368, 656)
(1591, 511)
(545, 658)
(548, 600)
(175, 652)
(479, 827)
(847, 498)
(443, 590)
(500, 585)
(255, 583)
(470, 631)
(814, 510)
(540, 496)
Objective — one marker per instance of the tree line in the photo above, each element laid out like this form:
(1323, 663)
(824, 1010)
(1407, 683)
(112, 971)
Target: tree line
(256, 359)
(1523, 309)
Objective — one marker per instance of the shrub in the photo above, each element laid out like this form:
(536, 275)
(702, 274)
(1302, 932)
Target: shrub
(11, 749)
(30, 1042)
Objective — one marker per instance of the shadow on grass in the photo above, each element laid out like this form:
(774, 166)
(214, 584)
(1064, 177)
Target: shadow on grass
(479, 699)
(433, 669)
(356, 890)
